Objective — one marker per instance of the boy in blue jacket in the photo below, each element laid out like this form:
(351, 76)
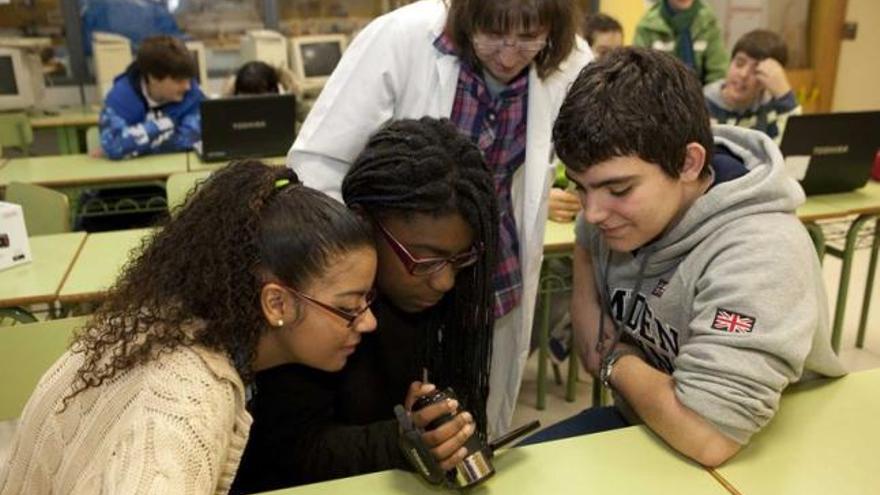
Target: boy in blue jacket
(153, 106)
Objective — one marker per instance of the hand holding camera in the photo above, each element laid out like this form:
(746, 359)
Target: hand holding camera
(446, 429)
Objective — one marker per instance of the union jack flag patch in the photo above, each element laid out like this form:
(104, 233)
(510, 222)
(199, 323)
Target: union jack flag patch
(660, 288)
(732, 322)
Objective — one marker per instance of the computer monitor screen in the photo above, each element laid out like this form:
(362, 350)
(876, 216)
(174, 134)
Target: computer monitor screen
(314, 57)
(197, 50)
(20, 79)
(319, 59)
(8, 84)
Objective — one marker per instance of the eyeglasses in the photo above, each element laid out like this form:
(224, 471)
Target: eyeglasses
(489, 44)
(428, 266)
(351, 318)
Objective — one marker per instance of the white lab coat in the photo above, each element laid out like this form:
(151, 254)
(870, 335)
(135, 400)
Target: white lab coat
(393, 71)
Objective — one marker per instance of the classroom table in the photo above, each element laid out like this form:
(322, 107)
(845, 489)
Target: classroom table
(629, 460)
(824, 439)
(82, 170)
(864, 204)
(40, 280)
(67, 122)
(99, 263)
(197, 165)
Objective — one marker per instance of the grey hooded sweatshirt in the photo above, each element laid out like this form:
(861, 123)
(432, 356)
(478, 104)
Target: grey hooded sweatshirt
(731, 301)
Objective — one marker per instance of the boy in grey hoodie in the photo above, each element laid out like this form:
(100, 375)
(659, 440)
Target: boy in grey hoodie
(697, 294)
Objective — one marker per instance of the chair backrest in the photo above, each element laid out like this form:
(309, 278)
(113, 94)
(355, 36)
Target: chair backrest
(15, 131)
(93, 140)
(179, 185)
(26, 352)
(46, 211)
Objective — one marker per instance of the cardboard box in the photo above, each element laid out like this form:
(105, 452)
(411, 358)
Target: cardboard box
(14, 246)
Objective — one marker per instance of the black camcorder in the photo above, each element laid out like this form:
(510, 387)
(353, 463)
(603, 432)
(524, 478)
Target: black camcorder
(475, 468)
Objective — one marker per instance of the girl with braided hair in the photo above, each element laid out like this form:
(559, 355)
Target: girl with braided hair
(430, 198)
(254, 271)
(499, 71)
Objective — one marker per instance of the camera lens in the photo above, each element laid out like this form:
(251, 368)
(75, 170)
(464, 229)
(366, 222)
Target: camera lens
(477, 466)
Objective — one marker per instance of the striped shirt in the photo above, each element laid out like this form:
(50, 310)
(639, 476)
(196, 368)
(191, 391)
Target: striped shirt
(769, 115)
(497, 124)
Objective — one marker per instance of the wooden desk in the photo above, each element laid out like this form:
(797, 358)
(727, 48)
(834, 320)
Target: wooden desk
(197, 165)
(630, 460)
(823, 440)
(79, 170)
(40, 280)
(99, 262)
(67, 122)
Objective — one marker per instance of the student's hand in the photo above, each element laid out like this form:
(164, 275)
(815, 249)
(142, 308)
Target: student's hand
(771, 75)
(563, 205)
(446, 442)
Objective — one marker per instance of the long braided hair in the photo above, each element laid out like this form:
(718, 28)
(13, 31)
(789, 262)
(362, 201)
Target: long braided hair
(427, 166)
(197, 281)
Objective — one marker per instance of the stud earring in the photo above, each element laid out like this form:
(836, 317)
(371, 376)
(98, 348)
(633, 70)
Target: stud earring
(280, 323)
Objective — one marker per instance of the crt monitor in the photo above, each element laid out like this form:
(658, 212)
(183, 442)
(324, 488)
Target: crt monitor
(16, 91)
(264, 45)
(197, 50)
(112, 55)
(313, 58)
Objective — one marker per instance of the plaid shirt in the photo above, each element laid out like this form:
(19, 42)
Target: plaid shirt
(498, 126)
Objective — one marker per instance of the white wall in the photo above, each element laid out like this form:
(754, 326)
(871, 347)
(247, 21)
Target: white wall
(858, 72)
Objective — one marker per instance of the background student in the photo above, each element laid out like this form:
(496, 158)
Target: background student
(755, 93)
(259, 78)
(153, 107)
(498, 71)
(603, 33)
(689, 30)
(429, 196)
(677, 303)
(255, 271)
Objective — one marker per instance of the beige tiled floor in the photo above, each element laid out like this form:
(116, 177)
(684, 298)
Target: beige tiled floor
(558, 408)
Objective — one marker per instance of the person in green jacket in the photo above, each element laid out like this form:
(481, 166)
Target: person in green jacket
(689, 30)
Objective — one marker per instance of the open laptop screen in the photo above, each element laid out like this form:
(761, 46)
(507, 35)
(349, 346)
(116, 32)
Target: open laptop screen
(831, 153)
(247, 127)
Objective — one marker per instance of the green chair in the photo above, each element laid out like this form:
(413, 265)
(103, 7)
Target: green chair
(26, 352)
(46, 211)
(15, 131)
(179, 186)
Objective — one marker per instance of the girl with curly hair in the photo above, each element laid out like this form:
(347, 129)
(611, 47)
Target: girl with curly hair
(429, 196)
(253, 272)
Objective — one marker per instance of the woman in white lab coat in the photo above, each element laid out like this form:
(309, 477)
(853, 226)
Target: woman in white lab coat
(415, 61)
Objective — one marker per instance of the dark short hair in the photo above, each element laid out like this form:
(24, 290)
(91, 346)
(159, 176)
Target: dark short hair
(634, 102)
(760, 44)
(467, 17)
(256, 78)
(165, 56)
(600, 23)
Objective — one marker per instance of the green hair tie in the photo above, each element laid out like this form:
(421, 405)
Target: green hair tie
(281, 183)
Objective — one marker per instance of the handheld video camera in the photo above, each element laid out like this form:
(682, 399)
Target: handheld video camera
(473, 469)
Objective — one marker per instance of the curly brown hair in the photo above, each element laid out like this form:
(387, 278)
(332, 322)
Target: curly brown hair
(197, 280)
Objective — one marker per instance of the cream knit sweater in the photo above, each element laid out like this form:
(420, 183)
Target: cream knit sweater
(175, 425)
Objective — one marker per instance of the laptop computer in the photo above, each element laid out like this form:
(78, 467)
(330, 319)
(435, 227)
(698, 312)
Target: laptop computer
(833, 152)
(247, 127)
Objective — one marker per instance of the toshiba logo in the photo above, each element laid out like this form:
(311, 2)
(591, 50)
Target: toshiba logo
(255, 124)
